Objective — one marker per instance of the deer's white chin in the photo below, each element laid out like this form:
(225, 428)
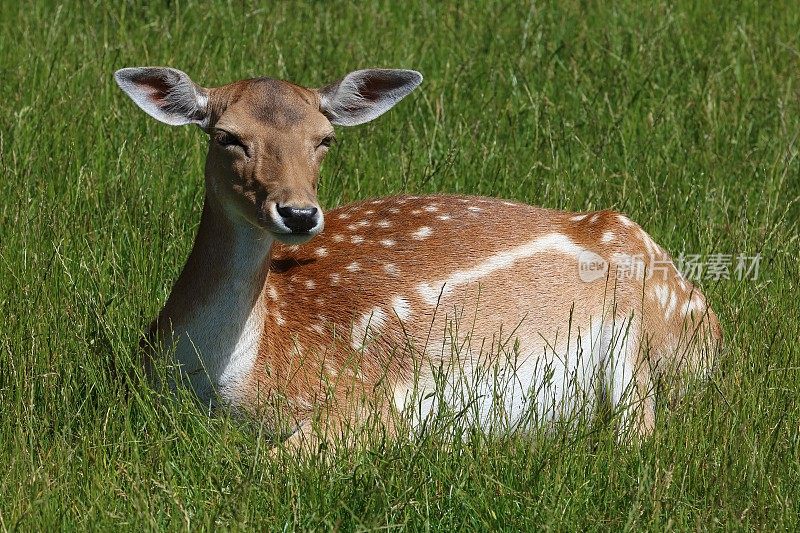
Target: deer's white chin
(294, 238)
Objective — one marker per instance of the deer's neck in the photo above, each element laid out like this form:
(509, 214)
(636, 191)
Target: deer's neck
(216, 310)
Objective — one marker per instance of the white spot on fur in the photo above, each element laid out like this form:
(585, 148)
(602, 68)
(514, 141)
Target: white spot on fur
(384, 224)
(338, 238)
(403, 392)
(661, 292)
(318, 328)
(422, 233)
(273, 294)
(321, 252)
(444, 217)
(608, 236)
(394, 210)
(353, 267)
(510, 204)
(625, 220)
(696, 306)
(673, 304)
(367, 326)
(429, 293)
(401, 308)
(390, 268)
(415, 211)
(475, 209)
(594, 218)
(362, 223)
(431, 208)
(356, 239)
(279, 319)
(335, 278)
(388, 243)
(578, 218)
(343, 216)
(309, 283)
(369, 212)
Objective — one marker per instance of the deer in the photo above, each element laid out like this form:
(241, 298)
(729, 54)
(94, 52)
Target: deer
(310, 322)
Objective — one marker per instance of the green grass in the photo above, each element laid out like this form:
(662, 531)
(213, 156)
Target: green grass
(684, 116)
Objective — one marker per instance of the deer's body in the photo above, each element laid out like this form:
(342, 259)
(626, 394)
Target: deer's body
(483, 300)
(398, 288)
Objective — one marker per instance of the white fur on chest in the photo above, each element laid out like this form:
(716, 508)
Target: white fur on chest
(217, 346)
(217, 350)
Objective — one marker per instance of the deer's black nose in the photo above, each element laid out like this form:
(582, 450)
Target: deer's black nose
(298, 219)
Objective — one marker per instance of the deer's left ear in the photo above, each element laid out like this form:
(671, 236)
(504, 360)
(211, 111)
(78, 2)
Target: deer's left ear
(166, 94)
(366, 94)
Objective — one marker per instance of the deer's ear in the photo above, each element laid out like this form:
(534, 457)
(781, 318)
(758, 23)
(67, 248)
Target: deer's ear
(166, 94)
(366, 94)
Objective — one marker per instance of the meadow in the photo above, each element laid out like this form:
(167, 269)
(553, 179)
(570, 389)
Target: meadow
(684, 115)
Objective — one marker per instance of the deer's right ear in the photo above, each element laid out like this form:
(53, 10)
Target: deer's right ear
(166, 94)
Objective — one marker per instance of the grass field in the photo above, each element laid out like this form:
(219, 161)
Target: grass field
(684, 116)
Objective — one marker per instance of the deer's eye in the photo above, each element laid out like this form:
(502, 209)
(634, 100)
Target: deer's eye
(327, 141)
(229, 140)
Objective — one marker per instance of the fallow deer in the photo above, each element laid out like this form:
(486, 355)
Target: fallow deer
(518, 308)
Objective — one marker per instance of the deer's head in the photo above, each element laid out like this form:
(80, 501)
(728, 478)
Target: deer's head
(267, 137)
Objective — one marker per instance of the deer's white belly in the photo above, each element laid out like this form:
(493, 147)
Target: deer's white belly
(531, 385)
